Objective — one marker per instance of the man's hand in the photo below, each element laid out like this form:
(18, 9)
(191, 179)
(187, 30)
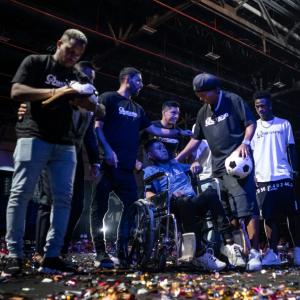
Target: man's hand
(178, 194)
(185, 132)
(95, 171)
(196, 168)
(138, 165)
(22, 111)
(243, 150)
(85, 89)
(111, 158)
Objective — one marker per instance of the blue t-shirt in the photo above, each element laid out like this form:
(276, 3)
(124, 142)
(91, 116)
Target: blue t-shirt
(179, 180)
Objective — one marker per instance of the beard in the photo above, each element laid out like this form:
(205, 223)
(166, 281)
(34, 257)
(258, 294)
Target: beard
(133, 90)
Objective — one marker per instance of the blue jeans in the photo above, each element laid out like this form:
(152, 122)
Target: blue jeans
(31, 156)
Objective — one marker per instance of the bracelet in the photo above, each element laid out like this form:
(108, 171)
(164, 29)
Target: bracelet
(246, 142)
(96, 165)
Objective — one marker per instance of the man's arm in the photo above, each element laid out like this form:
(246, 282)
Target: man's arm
(149, 194)
(23, 92)
(157, 131)
(92, 149)
(189, 148)
(110, 156)
(293, 159)
(243, 149)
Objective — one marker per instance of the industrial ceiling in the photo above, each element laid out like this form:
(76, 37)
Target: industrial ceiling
(250, 45)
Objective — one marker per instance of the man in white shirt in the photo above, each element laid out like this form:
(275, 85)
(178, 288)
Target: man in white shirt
(275, 160)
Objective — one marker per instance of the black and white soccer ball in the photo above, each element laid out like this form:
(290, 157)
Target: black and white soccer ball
(238, 166)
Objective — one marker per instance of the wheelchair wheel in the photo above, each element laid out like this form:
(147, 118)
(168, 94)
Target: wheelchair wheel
(167, 245)
(161, 261)
(141, 238)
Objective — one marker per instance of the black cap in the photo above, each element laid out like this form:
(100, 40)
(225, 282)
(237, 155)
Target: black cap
(205, 82)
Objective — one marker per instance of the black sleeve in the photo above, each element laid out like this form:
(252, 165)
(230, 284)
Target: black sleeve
(244, 112)
(27, 71)
(91, 145)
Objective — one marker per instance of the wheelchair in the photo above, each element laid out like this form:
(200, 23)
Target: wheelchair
(154, 238)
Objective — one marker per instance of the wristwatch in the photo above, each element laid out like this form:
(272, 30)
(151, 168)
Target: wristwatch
(246, 142)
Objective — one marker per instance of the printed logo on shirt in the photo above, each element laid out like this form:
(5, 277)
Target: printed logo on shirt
(124, 112)
(260, 134)
(167, 140)
(51, 80)
(211, 121)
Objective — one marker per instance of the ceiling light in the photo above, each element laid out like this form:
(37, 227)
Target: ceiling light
(153, 86)
(213, 56)
(279, 84)
(4, 38)
(147, 29)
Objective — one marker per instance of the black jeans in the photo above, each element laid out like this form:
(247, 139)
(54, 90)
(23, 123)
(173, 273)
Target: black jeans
(191, 210)
(122, 183)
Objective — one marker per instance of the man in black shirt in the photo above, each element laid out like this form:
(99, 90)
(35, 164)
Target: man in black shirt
(83, 124)
(45, 140)
(170, 115)
(228, 125)
(118, 133)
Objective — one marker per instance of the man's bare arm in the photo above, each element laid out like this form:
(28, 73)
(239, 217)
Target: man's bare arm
(191, 146)
(22, 92)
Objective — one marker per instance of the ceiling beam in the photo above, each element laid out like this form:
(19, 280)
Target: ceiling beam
(229, 13)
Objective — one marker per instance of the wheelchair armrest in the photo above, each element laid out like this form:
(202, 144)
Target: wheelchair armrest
(159, 200)
(154, 177)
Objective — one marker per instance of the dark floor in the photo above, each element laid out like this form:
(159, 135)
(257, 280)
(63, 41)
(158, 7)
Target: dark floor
(180, 283)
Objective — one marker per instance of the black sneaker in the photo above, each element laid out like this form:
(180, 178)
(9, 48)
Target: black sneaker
(13, 267)
(103, 260)
(54, 265)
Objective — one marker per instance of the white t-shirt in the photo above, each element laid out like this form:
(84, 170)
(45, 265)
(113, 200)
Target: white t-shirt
(269, 145)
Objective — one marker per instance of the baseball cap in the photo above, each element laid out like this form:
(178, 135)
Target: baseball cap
(205, 82)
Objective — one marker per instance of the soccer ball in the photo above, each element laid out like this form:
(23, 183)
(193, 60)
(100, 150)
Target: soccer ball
(237, 166)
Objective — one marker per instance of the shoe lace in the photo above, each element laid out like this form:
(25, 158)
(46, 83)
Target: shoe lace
(237, 251)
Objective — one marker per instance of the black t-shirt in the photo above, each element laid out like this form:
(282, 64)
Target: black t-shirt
(123, 120)
(52, 123)
(171, 144)
(223, 129)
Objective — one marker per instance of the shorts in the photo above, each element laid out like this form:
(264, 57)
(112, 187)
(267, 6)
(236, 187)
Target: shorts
(276, 199)
(238, 196)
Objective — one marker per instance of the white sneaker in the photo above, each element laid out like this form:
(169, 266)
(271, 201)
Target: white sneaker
(209, 262)
(270, 259)
(297, 256)
(234, 254)
(254, 261)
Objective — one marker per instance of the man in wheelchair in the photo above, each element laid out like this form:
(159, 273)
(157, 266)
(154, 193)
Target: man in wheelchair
(188, 207)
